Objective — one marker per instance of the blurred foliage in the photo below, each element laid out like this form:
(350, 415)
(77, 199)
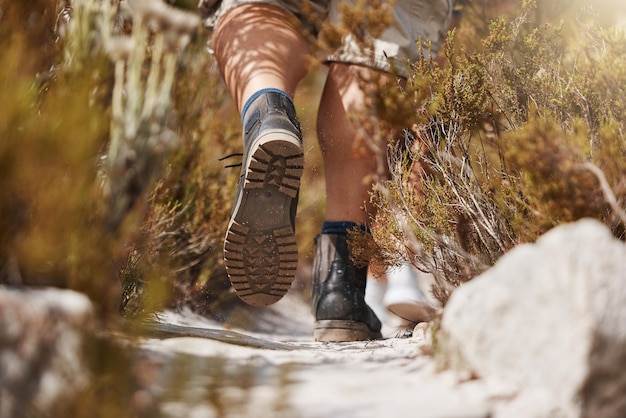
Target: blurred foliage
(50, 233)
(53, 126)
(190, 204)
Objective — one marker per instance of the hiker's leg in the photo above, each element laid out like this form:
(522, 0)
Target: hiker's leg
(349, 166)
(257, 46)
(262, 56)
(338, 299)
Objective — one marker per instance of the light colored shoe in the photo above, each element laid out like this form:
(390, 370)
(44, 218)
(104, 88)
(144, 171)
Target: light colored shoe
(374, 294)
(404, 298)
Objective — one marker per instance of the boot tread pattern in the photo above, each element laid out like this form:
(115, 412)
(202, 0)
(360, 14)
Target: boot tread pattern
(261, 264)
(276, 163)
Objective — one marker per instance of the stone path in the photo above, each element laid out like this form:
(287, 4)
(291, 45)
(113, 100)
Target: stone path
(272, 368)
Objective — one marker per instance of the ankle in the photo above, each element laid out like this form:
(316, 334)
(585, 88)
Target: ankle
(269, 109)
(284, 96)
(342, 227)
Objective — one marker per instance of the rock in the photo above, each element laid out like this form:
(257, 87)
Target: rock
(549, 316)
(41, 347)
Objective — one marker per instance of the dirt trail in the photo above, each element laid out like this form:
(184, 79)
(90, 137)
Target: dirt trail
(273, 368)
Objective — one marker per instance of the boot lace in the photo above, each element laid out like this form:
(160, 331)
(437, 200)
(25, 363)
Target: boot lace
(234, 154)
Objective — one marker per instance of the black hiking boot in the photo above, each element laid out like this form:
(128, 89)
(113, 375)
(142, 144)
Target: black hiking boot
(338, 298)
(260, 250)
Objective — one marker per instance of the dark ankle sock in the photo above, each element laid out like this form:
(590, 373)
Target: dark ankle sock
(260, 92)
(341, 227)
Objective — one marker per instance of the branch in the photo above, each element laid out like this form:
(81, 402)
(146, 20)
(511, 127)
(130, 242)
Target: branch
(606, 190)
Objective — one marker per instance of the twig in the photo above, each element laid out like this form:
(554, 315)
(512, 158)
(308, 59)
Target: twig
(606, 190)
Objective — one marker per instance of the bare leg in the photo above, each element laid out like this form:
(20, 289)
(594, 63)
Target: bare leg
(256, 47)
(349, 173)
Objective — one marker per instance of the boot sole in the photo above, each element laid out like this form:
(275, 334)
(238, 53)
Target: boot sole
(260, 249)
(413, 312)
(333, 330)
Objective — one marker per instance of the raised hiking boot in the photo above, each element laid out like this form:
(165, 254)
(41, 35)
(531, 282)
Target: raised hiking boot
(260, 250)
(338, 298)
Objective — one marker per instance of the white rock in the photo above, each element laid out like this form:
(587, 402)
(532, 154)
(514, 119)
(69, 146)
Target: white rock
(41, 347)
(550, 316)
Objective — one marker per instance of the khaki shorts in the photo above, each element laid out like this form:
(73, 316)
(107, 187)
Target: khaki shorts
(415, 23)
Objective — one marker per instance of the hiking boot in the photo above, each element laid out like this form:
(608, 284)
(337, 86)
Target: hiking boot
(260, 250)
(338, 298)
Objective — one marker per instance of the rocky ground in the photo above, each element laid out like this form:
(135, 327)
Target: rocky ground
(274, 368)
(544, 330)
